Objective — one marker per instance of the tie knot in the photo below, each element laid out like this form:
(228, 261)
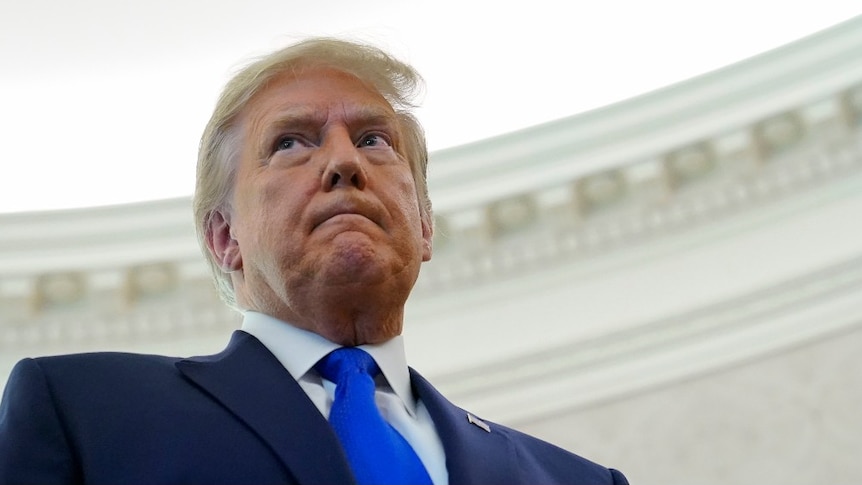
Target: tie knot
(377, 453)
(341, 363)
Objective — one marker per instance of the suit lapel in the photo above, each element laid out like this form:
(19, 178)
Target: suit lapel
(473, 455)
(250, 382)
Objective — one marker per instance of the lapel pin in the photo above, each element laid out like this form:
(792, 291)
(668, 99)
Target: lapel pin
(478, 422)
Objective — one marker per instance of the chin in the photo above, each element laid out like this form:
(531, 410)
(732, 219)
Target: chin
(347, 274)
(356, 263)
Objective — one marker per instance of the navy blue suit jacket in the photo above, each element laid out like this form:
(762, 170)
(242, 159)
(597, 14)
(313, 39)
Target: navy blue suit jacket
(234, 417)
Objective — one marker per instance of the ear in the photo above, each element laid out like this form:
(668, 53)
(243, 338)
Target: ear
(221, 242)
(427, 236)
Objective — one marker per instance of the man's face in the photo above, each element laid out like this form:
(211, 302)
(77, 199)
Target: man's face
(324, 210)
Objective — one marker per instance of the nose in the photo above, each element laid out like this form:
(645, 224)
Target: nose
(344, 167)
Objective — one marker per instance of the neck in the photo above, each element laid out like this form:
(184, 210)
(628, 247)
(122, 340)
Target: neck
(341, 315)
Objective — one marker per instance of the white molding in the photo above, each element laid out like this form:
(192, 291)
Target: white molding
(804, 73)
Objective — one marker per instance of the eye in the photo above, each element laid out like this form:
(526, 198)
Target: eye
(374, 140)
(287, 143)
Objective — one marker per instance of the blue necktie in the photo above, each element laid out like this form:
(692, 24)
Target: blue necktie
(377, 453)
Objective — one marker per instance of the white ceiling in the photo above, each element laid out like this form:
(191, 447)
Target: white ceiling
(102, 101)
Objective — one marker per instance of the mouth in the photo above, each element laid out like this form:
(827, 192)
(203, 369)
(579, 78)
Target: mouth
(347, 212)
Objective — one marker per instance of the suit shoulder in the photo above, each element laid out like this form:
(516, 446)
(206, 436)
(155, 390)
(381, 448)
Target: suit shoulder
(98, 370)
(520, 458)
(97, 360)
(551, 464)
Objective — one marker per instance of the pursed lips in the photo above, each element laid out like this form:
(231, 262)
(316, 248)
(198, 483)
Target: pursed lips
(347, 209)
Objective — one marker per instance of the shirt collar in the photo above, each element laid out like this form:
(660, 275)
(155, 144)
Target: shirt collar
(299, 350)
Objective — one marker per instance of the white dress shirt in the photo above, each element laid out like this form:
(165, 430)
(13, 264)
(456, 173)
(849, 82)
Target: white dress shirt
(299, 350)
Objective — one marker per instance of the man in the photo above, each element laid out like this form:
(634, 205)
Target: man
(312, 208)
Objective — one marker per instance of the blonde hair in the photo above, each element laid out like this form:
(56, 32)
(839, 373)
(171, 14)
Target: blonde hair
(220, 144)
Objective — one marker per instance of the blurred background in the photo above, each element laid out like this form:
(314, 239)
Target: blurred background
(649, 242)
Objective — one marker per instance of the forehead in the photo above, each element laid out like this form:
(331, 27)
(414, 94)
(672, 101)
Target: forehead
(315, 91)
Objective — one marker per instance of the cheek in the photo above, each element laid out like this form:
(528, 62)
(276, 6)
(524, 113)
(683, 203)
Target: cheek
(407, 202)
(285, 193)
(267, 213)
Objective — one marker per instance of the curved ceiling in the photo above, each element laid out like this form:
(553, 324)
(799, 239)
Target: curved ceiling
(103, 102)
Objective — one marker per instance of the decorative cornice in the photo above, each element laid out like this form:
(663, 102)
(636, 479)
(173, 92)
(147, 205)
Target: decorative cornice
(726, 103)
(110, 281)
(566, 234)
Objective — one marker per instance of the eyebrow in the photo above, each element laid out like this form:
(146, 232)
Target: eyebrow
(301, 117)
(305, 115)
(371, 115)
